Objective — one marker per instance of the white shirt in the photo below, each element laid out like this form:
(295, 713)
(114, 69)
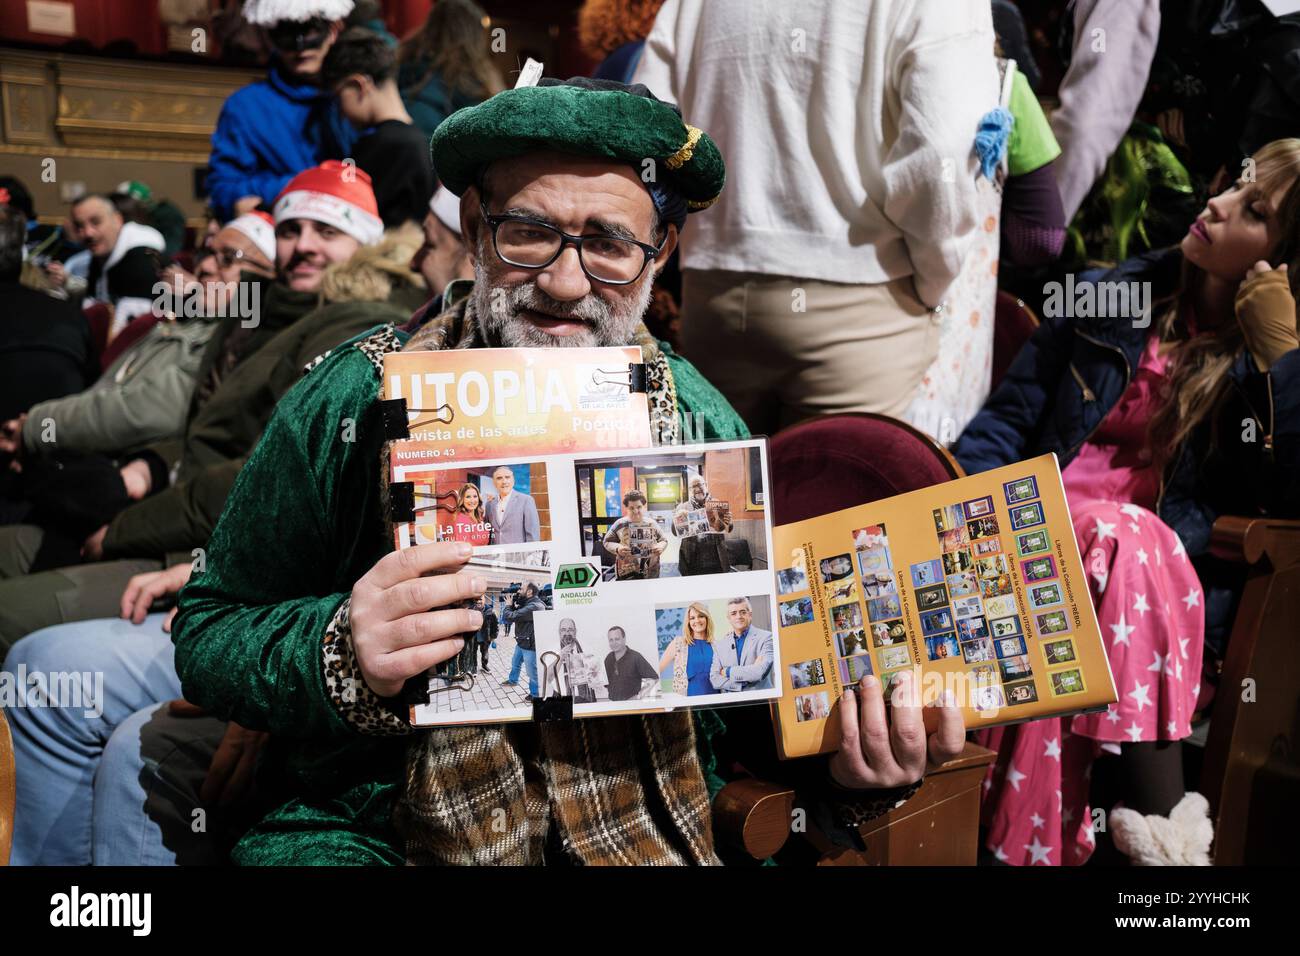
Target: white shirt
(847, 127)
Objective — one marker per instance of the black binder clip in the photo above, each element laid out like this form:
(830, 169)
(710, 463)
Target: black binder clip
(415, 691)
(393, 411)
(551, 705)
(636, 381)
(550, 709)
(401, 502)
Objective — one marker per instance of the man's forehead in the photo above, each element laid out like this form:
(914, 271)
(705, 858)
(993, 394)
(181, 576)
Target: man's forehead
(573, 188)
(93, 206)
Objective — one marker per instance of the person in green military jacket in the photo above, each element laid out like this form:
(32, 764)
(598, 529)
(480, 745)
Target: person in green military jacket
(305, 624)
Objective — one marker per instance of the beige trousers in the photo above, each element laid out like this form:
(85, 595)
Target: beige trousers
(782, 349)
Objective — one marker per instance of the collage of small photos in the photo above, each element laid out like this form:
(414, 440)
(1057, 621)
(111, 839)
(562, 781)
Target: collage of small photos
(967, 605)
(965, 600)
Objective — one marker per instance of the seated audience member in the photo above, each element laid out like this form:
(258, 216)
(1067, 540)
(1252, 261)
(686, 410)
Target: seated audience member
(635, 541)
(627, 674)
(743, 657)
(832, 254)
(1145, 412)
(323, 219)
(304, 623)
(143, 396)
(123, 258)
(271, 130)
(442, 258)
(163, 214)
(360, 70)
(446, 64)
(67, 759)
(45, 348)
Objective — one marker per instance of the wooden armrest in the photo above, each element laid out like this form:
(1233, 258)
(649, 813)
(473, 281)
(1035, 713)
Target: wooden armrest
(1249, 540)
(754, 816)
(6, 790)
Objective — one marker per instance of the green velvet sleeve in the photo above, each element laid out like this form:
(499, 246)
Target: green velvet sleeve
(300, 526)
(705, 414)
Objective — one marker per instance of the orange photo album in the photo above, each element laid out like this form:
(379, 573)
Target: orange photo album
(976, 585)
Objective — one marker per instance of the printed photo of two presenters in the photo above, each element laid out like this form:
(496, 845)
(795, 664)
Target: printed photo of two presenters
(490, 504)
(716, 647)
(674, 515)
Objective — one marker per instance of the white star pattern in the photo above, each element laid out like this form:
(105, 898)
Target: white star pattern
(1134, 732)
(1053, 750)
(1112, 714)
(1132, 526)
(1014, 777)
(1178, 670)
(1132, 510)
(1193, 599)
(1172, 727)
(1139, 694)
(999, 855)
(1102, 577)
(1179, 551)
(1182, 646)
(1038, 852)
(1106, 530)
(1142, 556)
(1158, 664)
(1140, 604)
(1036, 820)
(1122, 631)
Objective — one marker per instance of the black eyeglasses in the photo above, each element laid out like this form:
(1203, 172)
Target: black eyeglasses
(533, 244)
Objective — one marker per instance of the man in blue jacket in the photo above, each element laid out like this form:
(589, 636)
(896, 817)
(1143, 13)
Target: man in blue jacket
(272, 130)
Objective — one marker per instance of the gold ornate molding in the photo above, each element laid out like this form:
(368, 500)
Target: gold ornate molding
(125, 107)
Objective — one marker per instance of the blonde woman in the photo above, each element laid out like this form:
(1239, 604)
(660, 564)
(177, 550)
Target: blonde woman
(1182, 407)
(691, 653)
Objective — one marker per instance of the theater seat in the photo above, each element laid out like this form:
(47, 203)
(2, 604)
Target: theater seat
(1013, 325)
(821, 465)
(6, 790)
(1251, 772)
(832, 462)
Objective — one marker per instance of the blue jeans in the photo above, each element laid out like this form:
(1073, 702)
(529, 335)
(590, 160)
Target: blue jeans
(529, 660)
(91, 766)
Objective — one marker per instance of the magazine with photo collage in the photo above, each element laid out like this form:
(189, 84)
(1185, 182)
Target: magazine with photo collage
(621, 578)
(974, 585)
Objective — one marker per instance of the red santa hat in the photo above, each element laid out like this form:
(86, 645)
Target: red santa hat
(260, 228)
(337, 194)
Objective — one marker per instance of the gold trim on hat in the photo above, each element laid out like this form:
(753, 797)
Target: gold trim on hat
(683, 155)
(701, 204)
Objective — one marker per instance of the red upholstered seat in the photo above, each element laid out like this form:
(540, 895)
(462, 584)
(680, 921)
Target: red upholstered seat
(1013, 325)
(135, 330)
(98, 317)
(833, 462)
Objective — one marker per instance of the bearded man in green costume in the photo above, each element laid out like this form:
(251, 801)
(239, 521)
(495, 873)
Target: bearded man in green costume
(307, 625)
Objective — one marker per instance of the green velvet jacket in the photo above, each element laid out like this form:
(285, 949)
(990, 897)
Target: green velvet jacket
(301, 525)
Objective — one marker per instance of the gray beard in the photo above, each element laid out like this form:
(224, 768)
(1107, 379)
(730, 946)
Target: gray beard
(497, 309)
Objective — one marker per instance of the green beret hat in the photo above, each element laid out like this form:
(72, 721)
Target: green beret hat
(594, 118)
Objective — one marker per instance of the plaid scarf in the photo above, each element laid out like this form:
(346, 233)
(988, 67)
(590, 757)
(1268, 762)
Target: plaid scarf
(615, 790)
